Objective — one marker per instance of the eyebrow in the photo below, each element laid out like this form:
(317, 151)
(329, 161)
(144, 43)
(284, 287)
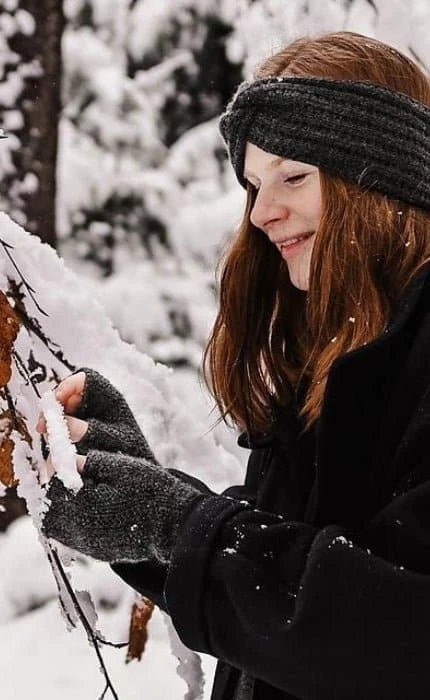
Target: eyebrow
(273, 164)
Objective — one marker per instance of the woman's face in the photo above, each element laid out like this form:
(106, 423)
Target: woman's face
(287, 207)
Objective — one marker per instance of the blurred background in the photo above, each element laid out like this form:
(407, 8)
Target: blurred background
(113, 155)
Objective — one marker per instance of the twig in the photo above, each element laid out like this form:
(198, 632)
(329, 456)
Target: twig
(22, 369)
(57, 566)
(374, 6)
(31, 291)
(117, 645)
(104, 692)
(32, 325)
(418, 59)
(91, 636)
(60, 598)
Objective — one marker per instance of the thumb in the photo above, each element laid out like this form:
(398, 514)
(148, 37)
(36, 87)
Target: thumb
(77, 428)
(80, 463)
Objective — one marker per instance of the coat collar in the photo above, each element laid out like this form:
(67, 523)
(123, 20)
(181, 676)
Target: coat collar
(369, 397)
(415, 293)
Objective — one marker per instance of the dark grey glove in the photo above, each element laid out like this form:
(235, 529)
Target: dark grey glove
(112, 426)
(127, 510)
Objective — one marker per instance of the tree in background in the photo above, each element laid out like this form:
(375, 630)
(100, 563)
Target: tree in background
(30, 67)
(139, 75)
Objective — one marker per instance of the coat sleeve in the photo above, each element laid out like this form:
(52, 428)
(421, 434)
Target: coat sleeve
(321, 614)
(149, 578)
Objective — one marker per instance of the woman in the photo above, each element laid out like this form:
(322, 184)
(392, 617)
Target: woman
(312, 579)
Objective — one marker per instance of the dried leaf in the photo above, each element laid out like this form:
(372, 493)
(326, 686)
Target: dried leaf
(140, 616)
(9, 327)
(7, 476)
(10, 421)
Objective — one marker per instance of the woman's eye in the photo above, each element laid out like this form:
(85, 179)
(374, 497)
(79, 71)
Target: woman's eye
(295, 179)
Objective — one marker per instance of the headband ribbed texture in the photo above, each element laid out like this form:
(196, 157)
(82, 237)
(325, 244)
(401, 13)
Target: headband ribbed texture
(359, 131)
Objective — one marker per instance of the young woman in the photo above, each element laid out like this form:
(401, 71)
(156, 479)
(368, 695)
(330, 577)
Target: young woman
(312, 580)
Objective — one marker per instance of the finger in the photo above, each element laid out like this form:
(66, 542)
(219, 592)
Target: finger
(80, 463)
(72, 404)
(41, 424)
(77, 428)
(44, 446)
(69, 392)
(44, 470)
(50, 469)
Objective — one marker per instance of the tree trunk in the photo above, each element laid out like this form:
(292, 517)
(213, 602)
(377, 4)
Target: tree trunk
(30, 188)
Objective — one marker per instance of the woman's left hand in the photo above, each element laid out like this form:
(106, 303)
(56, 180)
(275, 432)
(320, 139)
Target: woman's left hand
(127, 509)
(50, 469)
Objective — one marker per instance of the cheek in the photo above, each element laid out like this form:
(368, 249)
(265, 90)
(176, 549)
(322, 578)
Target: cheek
(314, 200)
(310, 205)
(316, 204)
(318, 201)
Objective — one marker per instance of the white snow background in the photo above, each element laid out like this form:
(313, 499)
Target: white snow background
(199, 205)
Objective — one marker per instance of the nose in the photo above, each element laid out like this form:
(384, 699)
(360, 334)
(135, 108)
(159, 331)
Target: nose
(266, 210)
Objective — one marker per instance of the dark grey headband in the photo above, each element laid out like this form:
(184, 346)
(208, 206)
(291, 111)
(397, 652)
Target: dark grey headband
(358, 131)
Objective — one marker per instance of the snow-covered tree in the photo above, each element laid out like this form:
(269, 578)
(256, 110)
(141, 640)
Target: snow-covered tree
(36, 293)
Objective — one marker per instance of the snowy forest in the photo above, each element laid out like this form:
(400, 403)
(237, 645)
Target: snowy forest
(117, 200)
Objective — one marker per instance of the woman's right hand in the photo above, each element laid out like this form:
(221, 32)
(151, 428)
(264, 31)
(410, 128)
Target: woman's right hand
(98, 416)
(69, 393)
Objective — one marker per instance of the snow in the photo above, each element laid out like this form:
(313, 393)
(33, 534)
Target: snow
(62, 451)
(178, 437)
(56, 663)
(25, 22)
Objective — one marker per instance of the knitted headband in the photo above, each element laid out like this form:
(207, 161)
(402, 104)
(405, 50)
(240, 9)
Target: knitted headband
(359, 131)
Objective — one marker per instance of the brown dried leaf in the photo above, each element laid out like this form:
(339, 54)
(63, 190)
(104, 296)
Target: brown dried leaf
(8, 422)
(140, 616)
(7, 476)
(9, 327)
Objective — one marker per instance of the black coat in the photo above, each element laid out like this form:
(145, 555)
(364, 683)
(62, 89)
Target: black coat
(321, 588)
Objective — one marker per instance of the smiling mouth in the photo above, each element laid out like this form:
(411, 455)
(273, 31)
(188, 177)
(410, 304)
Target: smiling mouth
(292, 241)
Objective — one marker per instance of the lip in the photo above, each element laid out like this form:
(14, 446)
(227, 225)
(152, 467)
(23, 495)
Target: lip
(293, 248)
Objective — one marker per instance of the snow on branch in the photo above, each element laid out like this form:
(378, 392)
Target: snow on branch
(51, 325)
(63, 452)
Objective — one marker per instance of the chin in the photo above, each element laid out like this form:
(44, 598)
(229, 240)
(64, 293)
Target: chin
(299, 270)
(302, 287)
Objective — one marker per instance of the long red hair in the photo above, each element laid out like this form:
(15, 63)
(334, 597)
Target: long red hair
(268, 335)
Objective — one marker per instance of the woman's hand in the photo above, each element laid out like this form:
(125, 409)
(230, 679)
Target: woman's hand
(69, 393)
(98, 416)
(127, 509)
(50, 469)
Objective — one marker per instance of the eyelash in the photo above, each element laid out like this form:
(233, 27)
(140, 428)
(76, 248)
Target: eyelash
(293, 179)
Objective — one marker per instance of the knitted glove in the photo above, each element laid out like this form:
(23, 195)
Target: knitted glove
(111, 424)
(127, 510)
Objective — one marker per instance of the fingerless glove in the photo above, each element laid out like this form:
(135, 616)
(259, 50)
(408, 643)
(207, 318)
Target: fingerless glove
(127, 509)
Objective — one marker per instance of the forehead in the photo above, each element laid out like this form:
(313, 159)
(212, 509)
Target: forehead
(258, 160)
